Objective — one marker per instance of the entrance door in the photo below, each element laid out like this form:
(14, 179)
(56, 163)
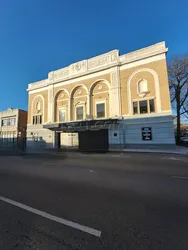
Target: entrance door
(94, 140)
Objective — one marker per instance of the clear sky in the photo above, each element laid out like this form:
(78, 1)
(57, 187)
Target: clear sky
(38, 36)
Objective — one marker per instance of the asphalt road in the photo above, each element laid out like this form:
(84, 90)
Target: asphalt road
(130, 201)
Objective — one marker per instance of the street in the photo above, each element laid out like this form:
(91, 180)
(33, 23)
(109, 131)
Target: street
(130, 201)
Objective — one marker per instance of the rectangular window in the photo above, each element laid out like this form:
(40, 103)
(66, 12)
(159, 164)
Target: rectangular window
(40, 119)
(12, 122)
(37, 119)
(135, 108)
(4, 123)
(79, 113)
(100, 107)
(143, 107)
(152, 105)
(62, 115)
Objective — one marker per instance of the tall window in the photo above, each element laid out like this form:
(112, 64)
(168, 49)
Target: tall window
(12, 121)
(37, 119)
(62, 115)
(4, 122)
(79, 113)
(135, 108)
(152, 106)
(100, 107)
(143, 107)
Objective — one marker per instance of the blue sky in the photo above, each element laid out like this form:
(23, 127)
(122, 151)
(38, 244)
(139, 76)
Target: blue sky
(38, 36)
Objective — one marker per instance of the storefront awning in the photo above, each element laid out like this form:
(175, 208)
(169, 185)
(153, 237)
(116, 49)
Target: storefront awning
(82, 125)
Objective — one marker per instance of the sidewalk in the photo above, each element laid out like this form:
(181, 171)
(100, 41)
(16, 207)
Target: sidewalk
(178, 150)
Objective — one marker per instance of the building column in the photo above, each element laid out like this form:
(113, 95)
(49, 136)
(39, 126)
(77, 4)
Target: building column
(88, 105)
(51, 104)
(69, 110)
(115, 95)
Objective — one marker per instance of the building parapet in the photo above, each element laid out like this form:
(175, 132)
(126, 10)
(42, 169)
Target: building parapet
(98, 63)
(38, 84)
(149, 51)
(9, 112)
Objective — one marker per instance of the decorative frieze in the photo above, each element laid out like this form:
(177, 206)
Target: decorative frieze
(78, 69)
(99, 63)
(107, 60)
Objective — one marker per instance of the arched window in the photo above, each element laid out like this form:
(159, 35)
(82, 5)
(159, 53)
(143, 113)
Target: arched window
(37, 110)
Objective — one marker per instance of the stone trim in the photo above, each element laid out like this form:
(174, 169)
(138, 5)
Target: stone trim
(98, 64)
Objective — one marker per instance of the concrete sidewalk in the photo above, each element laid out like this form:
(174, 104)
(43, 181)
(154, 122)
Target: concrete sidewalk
(178, 151)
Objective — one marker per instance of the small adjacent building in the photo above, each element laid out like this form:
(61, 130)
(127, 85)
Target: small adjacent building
(108, 102)
(13, 125)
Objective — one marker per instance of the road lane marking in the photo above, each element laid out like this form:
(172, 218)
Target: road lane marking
(68, 223)
(173, 158)
(179, 177)
(170, 158)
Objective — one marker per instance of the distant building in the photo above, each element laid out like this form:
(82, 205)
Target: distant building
(13, 125)
(107, 102)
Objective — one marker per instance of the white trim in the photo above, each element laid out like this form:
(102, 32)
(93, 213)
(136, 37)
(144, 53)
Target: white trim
(99, 93)
(61, 90)
(148, 122)
(143, 99)
(97, 81)
(77, 97)
(102, 72)
(62, 100)
(75, 80)
(30, 92)
(31, 107)
(157, 88)
(99, 102)
(101, 64)
(145, 52)
(78, 86)
(153, 114)
(50, 103)
(143, 61)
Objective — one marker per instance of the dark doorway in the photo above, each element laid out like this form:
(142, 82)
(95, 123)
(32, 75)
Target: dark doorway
(94, 141)
(58, 141)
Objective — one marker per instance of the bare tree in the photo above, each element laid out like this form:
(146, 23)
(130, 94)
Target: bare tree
(178, 82)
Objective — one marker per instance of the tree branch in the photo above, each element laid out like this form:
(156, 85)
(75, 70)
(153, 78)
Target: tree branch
(184, 99)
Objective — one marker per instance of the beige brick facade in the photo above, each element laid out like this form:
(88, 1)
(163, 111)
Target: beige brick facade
(117, 81)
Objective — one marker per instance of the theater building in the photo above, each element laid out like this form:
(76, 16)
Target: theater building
(108, 102)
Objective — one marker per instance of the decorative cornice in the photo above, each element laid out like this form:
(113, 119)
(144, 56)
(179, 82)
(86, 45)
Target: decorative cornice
(150, 51)
(9, 112)
(98, 63)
